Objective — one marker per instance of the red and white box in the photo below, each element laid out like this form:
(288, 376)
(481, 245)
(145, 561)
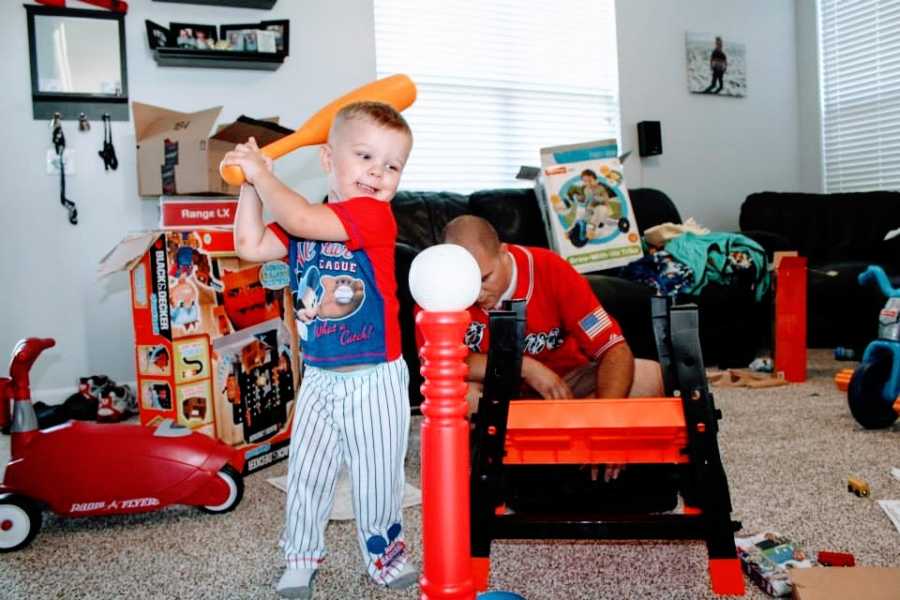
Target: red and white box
(179, 212)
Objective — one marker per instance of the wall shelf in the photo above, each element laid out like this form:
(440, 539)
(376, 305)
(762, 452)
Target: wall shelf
(260, 4)
(217, 59)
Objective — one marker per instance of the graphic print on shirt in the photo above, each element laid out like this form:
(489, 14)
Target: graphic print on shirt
(337, 308)
(537, 342)
(328, 297)
(596, 322)
(474, 336)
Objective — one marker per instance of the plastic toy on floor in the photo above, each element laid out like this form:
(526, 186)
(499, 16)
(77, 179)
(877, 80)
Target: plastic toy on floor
(89, 469)
(117, 403)
(873, 391)
(98, 399)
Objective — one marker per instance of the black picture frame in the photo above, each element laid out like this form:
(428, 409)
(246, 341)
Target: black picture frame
(282, 29)
(209, 33)
(225, 29)
(158, 36)
(71, 104)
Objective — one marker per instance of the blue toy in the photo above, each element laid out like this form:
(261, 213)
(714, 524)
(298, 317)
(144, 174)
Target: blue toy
(874, 390)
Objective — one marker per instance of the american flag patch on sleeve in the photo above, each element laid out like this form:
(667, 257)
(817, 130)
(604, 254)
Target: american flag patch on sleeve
(595, 322)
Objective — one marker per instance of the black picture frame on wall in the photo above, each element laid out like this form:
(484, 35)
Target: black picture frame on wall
(70, 104)
(282, 29)
(234, 33)
(193, 35)
(159, 36)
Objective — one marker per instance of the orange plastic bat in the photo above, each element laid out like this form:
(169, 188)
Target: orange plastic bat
(397, 90)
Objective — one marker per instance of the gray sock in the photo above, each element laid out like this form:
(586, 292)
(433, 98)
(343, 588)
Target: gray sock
(296, 583)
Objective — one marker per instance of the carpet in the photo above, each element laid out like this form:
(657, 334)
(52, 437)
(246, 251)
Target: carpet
(787, 450)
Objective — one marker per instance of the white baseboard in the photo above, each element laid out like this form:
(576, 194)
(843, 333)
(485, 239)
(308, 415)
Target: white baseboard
(52, 396)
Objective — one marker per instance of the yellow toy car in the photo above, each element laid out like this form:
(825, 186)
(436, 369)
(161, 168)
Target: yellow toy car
(858, 487)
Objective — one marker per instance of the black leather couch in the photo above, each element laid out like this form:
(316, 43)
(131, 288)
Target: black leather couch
(733, 326)
(840, 234)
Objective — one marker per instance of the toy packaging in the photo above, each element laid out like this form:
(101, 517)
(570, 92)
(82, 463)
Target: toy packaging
(215, 348)
(180, 212)
(768, 557)
(586, 207)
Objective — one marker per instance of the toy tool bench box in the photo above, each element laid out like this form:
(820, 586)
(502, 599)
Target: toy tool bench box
(215, 349)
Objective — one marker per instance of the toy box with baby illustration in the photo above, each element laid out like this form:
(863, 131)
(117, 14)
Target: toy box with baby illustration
(215, 347)
(586, 207)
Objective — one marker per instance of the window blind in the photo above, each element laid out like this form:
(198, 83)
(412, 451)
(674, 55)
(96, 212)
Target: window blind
(497, 81)
(860, 50)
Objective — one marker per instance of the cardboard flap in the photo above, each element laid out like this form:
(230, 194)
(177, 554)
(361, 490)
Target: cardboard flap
(126, 253)
(154, 121)
(265, 131)
(825, 583)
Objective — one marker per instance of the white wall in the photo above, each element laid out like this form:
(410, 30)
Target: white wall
(809, 161)
(716, 150)
(47, 265)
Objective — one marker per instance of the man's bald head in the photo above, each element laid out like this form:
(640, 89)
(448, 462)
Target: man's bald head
(474, 234)
(496, 265)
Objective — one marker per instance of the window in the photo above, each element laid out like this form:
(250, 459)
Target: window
(497, 81)
(860, 50)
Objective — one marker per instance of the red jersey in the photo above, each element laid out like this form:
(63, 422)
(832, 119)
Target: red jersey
(565, 325)
(345, 293)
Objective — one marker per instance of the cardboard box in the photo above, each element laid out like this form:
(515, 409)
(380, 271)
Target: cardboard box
(826, 583)
(216, 348)
(176, 155)
(586, 207)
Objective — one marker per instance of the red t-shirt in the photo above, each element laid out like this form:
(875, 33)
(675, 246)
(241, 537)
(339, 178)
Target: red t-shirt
(565, 325)
(345, 293)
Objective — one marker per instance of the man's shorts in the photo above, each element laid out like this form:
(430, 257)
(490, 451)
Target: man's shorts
(648, 382)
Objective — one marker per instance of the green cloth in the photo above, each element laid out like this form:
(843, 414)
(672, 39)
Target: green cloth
(716, 257)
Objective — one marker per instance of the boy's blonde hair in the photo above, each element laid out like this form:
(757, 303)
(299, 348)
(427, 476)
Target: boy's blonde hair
(379, 113)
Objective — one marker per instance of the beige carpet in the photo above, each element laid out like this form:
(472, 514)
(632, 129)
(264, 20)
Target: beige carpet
(787, 451)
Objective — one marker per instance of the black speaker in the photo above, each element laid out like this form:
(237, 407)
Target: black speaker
(649, 138)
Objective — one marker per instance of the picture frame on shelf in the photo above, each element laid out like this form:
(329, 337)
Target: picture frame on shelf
(159, 36)
(265, 41)
(234, 33)
(282, 29)
(194, 35)
(235, 39)
(251, 44)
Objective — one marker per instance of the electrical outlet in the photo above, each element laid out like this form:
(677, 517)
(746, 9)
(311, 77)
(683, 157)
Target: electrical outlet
(68, 159)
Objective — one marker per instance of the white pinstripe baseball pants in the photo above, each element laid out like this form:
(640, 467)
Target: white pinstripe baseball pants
(360, 418)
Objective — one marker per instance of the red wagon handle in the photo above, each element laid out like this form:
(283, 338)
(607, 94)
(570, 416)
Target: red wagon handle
(23, 357)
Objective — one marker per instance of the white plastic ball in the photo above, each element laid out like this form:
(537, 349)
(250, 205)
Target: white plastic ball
(444, 278)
